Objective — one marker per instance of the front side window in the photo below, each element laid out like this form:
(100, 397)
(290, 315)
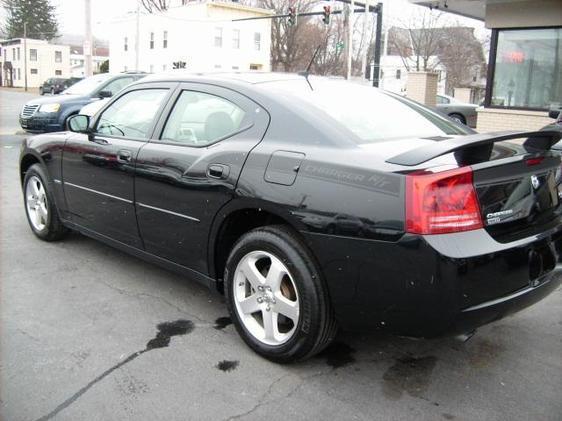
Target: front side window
(32, 54)
(118, 84)
(442, 100)
(218, 37)
(132, 115)
(199, 119)
(528, 68)
(58, 56)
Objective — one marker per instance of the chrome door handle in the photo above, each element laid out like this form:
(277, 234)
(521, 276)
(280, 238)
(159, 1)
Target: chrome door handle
(124, 156)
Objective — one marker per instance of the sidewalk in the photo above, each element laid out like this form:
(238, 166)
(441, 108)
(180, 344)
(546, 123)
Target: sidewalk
(34, 91)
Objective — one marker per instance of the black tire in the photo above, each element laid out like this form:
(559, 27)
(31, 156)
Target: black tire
(316, 326)
(54, 229)
(458, 117)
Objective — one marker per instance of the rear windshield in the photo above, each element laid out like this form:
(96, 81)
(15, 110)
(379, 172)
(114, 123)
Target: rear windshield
(371, 114)
(88, 85)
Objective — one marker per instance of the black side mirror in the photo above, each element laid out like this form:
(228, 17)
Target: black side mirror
(78, 123)
(105, 94)
(554, 114)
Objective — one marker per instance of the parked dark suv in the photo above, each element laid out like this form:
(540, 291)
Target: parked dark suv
(49, 114)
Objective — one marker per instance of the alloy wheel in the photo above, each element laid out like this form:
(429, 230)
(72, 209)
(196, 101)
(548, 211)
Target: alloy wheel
(36, 202)
(266, 298)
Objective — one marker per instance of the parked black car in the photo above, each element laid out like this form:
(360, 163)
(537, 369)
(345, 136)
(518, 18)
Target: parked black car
(55, 86)
(242, 181)
(49, 114)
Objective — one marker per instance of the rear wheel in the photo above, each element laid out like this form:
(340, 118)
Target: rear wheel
(458, 118)
(276, 296)
(40, 206)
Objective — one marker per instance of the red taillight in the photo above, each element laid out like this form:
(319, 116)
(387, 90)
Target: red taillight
(442, 203)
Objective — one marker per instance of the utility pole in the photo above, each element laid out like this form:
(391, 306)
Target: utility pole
(350, 40)
(88, 68)
(365, 40)
(25, 55)
(137, 40)
(377, 57)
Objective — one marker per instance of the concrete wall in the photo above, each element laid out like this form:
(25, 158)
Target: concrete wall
(463, 94)
(422, 87)
(524, 14)
(492, 119)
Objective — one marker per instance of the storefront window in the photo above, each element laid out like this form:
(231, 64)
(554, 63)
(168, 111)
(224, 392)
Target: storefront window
(528, 69)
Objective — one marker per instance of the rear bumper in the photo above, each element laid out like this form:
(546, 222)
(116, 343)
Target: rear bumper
(427, 287)
(490, 311)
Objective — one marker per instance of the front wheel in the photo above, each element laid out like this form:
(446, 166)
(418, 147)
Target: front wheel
(276, 296)
(40, 206)
(458, 118)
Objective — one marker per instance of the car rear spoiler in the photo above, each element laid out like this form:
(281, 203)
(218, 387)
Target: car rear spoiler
(476, 147)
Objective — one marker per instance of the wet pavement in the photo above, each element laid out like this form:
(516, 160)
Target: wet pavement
(90, 333)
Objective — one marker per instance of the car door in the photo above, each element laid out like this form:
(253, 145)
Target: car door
(189, 170)
(98, 167)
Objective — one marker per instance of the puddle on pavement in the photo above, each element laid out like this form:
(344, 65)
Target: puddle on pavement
(222, 322)
(226, 365)
(338, 354)
(408, 374)
(168, 329)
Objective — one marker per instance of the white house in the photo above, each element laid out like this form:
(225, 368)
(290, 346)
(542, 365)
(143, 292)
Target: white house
(394, 74)
(44, 60)
(77, 67)
(195, 36)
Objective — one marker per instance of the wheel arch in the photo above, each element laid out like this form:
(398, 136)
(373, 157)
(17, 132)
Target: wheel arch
(27, 160)
(233, 221)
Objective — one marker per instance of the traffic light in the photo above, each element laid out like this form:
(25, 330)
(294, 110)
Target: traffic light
(292, 16)
(326, 18)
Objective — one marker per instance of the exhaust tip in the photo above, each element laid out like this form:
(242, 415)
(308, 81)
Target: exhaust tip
(464, 337)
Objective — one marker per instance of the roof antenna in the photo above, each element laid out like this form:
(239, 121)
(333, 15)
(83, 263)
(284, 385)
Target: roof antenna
(306, 73)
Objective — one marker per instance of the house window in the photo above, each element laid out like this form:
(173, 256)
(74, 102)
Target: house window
(33, 54)
(19, 53)
(525, 71)
(152, 40)
(13, 54)
(58, 72)
(19, 74)
(58, 56)
(218, 37)
(236, 38)
(126, 44)
(257, 41)
(165, 40)
(398, 74)
(255, 66)
(33, 71)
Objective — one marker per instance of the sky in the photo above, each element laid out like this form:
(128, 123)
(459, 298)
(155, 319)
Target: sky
(71, 14)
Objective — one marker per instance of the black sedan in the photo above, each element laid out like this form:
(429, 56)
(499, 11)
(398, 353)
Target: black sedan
(49, 114)
(309, 204)
(56, 85)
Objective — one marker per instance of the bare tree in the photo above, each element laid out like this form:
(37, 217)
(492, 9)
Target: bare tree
(153, 6)
(418, 41)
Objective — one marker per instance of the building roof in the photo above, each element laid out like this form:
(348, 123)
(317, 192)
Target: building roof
(475, 9)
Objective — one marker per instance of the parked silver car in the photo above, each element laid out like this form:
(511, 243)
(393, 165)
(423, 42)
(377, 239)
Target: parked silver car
(462, 112)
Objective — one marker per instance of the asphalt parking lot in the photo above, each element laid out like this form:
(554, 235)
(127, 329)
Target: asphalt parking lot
(90, 333)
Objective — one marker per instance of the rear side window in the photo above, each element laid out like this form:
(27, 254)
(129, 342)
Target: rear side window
(372, 115)
(132, 115)
(199, 119)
